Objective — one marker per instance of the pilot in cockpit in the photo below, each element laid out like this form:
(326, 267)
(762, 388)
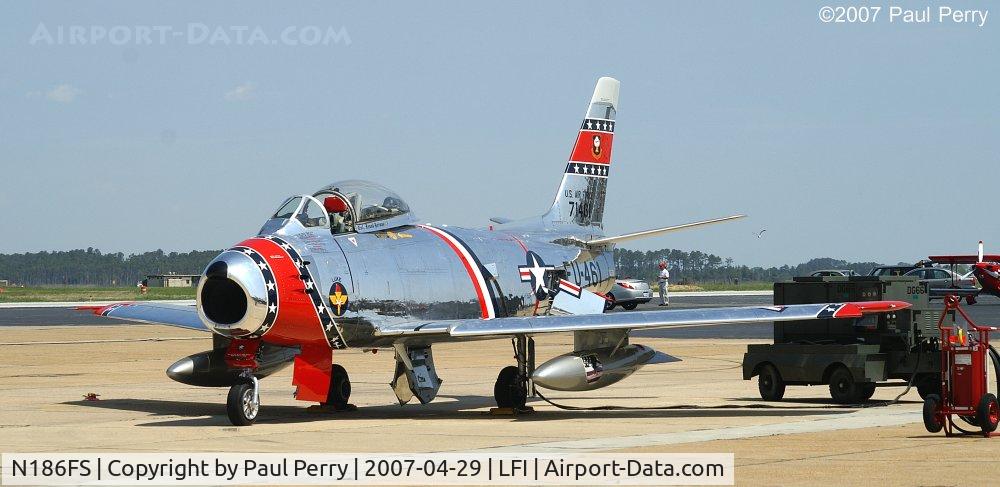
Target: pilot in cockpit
(340, 215)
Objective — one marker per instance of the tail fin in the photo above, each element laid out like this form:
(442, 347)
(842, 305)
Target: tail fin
(580, 199)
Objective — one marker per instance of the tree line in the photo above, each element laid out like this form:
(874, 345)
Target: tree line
(697, 266)
(91, 267)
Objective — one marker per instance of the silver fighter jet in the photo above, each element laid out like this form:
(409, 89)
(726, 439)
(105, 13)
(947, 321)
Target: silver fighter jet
(349, 265)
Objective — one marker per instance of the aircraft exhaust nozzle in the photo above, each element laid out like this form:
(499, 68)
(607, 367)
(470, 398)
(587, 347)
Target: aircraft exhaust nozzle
(232, 295)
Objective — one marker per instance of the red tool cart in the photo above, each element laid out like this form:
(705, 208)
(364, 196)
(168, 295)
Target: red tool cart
(964, 390)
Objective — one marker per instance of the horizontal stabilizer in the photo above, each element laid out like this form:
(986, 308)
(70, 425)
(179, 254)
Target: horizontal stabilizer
(657, 231)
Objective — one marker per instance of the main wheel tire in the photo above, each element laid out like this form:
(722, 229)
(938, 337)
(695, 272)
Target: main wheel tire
(843, 389)
(932, 421)
(240, 405)
(770, 384)
(988, 413)
(609, 303)
(866, 391)
(508, 391)
(928, 384)
(630, 306)
(340, 388)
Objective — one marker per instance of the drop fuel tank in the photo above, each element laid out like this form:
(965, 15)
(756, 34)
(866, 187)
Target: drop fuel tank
(209, 369)
(586, 370)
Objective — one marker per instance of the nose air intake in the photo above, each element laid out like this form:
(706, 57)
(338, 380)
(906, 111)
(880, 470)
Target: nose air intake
(232, 295)
(223, 299)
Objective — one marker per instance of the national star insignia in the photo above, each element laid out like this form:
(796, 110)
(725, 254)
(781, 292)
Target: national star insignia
(537, 271)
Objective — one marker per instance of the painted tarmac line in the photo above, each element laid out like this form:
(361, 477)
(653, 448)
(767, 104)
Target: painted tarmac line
(866, 418)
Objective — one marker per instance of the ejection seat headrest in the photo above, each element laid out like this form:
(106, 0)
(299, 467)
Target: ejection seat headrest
(334, 204)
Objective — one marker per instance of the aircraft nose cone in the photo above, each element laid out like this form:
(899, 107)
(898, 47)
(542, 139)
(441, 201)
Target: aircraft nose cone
(234, 298)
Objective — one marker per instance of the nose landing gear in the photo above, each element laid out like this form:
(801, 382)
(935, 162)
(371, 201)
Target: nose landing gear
(243, 403)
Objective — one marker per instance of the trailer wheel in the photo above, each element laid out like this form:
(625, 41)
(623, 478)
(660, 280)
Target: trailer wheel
(770, 384)
(932, 421)
(988, 413)
(843, 389)
(867, 390)
(928, 384)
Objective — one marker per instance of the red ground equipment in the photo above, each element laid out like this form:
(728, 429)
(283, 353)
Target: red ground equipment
(964, 390)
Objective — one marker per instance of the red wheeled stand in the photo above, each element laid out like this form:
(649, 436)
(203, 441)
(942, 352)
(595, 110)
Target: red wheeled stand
(964, 390)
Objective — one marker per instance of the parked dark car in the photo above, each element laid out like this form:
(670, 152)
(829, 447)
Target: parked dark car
(833, 273)
(891, 270)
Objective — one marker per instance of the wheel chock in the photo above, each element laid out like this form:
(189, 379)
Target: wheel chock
(323, 408)
(511, 411)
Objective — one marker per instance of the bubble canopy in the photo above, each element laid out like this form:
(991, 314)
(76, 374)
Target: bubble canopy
(373, 206)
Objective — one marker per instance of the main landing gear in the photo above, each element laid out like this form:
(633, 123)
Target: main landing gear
(340, 390)
(511, 387)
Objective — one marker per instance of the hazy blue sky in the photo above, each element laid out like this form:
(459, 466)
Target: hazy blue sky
(874, 141)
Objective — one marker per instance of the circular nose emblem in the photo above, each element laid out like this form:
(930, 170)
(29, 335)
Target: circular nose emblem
(338, 299)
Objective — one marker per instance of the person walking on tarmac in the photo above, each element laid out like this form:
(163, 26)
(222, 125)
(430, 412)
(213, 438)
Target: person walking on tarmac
(664, 281)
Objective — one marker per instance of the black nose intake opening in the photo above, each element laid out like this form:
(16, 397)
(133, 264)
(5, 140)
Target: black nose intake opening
(223, 300)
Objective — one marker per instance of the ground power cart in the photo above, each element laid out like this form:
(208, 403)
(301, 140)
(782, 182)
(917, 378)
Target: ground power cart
(851, 356)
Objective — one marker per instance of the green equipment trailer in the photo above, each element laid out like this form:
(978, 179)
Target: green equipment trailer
(852, 356)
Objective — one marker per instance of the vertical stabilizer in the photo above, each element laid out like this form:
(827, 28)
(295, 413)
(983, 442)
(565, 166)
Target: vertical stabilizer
(580, 199)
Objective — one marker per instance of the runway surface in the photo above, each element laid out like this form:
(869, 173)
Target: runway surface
(53, 357)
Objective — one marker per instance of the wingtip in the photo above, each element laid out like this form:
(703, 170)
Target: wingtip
(859, 309)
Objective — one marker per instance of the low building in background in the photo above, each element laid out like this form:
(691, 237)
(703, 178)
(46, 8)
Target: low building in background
(172, 280)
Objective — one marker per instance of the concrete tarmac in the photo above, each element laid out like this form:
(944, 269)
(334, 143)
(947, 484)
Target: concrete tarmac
(45, 371)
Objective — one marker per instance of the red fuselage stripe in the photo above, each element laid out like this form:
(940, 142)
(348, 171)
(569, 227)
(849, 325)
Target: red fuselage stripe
(519, 242)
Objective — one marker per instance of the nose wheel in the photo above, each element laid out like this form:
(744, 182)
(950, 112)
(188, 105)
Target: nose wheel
(243, 403)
